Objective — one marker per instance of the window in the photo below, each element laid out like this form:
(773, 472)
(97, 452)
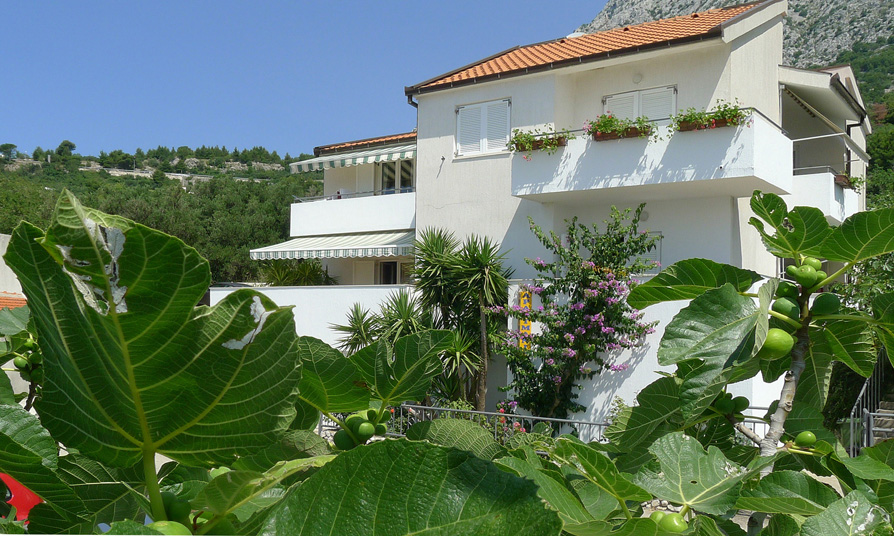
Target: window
(482, 128)
(396, 176)
(657, 104)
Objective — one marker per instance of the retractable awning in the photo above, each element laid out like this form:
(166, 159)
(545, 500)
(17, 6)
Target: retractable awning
(356, 158)
(340, 246)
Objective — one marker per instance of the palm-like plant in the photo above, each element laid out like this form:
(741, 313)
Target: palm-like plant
(295, 272)
(361, 330)
(401, 315)
(436, 259)
(485, 282)
(460, 362)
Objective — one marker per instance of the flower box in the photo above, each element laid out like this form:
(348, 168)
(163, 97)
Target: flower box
(844, 181)
(689, 126)
(538, 144)
(631, 132)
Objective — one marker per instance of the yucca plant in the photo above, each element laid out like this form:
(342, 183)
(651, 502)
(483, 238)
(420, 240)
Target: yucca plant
(361, 330)
(436, 255)
(485, 282)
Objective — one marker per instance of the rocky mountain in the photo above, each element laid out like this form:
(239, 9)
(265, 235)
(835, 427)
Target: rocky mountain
(815, 30)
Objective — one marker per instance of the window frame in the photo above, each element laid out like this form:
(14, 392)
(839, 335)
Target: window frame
(398, 187)
(483, 128)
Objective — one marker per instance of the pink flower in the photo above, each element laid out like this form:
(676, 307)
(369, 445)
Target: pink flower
(502, 410)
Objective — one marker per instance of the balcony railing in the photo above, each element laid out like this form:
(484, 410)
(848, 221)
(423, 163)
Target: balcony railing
(364, 212)
(353, 195)
(731, 161)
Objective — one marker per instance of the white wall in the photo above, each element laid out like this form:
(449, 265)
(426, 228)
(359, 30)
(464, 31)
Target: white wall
(354, 215)
(8, 280)
(316, 308)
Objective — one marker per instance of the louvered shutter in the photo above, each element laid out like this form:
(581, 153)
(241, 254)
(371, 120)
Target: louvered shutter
(658, 104)
(622, 106)
(468, 129)
(497, 126)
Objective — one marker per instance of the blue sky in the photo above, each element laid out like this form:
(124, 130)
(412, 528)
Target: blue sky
(284, 75)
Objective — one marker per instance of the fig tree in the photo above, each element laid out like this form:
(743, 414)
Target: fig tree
(805, 275)
(179, 510)
(805, 439)
(673, 522)
(217, 471)
(20, 362)
(820, 276)
(355, 420)
(343, 441)
(657, 515)
(787, 307)
(787, 289)
(381, 429)
(365, 431)
(777, 345)
(725, 406)
(814, 263)
(740, 404)
(170, 527)
(826, 303)
(372, 415)
(167, 498)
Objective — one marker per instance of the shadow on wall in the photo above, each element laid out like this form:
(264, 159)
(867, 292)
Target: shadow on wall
(600, 392)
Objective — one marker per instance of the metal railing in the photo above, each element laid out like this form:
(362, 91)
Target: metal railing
(505, 425)
(502, 425)
(861, 423)
(352, 195)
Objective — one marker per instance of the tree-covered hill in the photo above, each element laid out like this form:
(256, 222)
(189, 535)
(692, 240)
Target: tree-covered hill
(222, 217)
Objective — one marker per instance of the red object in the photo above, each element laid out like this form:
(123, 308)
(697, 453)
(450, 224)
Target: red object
(22, 498)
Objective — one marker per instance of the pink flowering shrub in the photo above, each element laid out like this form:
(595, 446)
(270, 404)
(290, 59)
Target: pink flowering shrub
(584, 315)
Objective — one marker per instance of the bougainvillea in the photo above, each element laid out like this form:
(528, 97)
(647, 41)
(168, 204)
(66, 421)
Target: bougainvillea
(583, 316)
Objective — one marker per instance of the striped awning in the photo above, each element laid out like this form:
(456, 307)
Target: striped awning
(391, 244)
(356, 158)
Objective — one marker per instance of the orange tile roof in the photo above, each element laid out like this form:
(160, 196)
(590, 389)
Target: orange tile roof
(590, 47)
(362, 144)
(11, 301)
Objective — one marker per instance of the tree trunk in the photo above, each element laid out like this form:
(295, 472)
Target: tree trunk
(480, 403)
(787, 396)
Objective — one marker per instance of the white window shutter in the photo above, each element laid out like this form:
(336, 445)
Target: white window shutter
(497, 126)
(622, 106)
(468, 129)
(657, 104)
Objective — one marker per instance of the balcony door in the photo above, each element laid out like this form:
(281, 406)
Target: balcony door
(396, 177)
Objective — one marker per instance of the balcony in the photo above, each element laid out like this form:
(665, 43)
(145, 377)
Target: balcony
(818, 187)
(729, 161)
(354, 213)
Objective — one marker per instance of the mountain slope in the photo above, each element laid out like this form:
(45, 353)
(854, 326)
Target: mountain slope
(815, 30)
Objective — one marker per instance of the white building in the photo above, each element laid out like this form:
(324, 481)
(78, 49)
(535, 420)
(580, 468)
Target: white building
(806, 132)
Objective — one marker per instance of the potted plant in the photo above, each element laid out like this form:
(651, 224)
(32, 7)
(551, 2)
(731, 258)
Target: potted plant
(549, 140)
(724, 114)
(609, 127)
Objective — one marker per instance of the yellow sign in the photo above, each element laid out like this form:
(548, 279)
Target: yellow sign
(524, 325)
